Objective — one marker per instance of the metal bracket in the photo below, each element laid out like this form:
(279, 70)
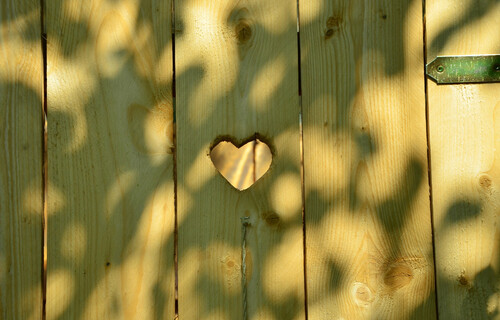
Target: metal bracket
(464, 69)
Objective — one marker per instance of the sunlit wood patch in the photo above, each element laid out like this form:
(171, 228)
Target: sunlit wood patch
(242, 166)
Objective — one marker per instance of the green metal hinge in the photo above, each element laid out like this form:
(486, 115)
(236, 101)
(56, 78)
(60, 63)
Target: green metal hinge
(464, 69)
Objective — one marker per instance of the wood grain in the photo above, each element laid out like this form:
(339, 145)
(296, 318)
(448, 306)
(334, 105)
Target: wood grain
(21, 185)
(237, 75)
(368, 226)
(111, 188)
(465, 149)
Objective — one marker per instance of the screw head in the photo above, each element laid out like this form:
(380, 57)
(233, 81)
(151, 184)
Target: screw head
(497, 68)
(440, 69)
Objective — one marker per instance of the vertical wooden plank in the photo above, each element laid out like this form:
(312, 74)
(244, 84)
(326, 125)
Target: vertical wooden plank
(110, 201)
(465, 153)
(237, 75)
(21, 185)
(368, 227)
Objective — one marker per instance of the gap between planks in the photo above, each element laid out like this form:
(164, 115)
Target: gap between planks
(302, 169)
(427, 133)
(44, 155)
(174, 136)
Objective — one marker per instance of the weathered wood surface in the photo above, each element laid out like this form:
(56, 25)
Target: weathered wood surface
(237, 75)
(368, 225)
(464, 123)
(111, 187)
(21, 185)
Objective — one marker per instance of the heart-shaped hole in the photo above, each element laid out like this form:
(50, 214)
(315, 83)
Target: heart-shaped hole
(242, 166)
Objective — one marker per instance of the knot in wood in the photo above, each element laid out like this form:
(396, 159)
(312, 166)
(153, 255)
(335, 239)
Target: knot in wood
(398, 276)
(362, 294)
(243, 32)
(333, 26)
(485, 181)
(464, 281)
(271, 218)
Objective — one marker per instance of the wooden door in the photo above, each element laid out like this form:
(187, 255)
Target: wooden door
(464, 131)
(247, 159)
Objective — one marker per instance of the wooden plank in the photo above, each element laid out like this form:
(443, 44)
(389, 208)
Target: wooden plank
(111, 187)
(21, 184)
(368, 227)
(237, 75)
(464, 125)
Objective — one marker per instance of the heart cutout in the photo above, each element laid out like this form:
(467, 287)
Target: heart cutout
(242, 166)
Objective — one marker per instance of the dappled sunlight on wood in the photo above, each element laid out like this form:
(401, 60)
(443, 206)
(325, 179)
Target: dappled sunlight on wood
(31, 205)
(205, 43)
(116, 42)
(467, 210)
(74, 243)
(21, 150)
(207, 37)
(289, 206)
(369, 249)
(62, 278)
(464, 135)
(289, 151)
(283, 270)
(263, 313)
(276, 20)
(184, 193)
(221, 61)
(151, 130)
(110, 110)
(20, 57)
(480, 38)
(154, 224)
(217, 314)
(189, 268)
(336, 147)
(69, 95)
(262, 89)
(115, 193)
(100, 302)
(223, 263)
(56, 199)
(113, 44)
(380, 101)
(197, 178)
(31, 297)
(469, 235)
(74, 10)
(140, 274)
(117, 184)
(313, 11)
(372, 283)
